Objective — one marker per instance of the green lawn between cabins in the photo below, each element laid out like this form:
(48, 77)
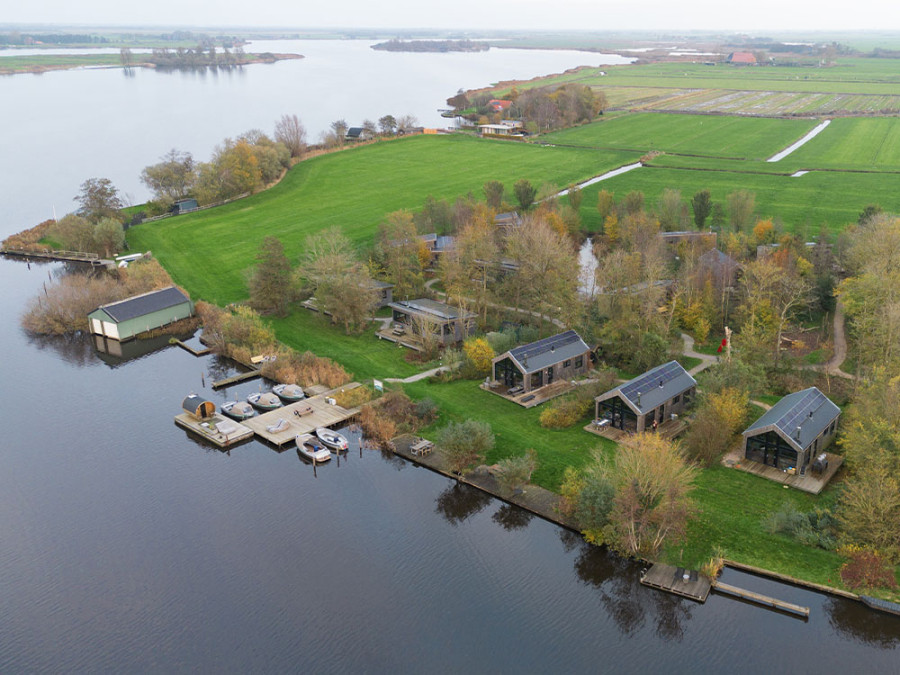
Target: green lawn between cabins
(207, 251)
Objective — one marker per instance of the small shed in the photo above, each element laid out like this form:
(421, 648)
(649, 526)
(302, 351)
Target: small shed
(184, 206)
(198, 407)
(127, 318)
(535, 365)
(385, 292)
(652, 397)
(793, 432)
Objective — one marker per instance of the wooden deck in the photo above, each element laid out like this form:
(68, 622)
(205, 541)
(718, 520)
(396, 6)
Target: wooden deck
(671, 579)
(207, 431)
(195, 352)
(529, 399)
(403, 339)
(809, 482)
(64, 256)
(323, 415)
(669, 429)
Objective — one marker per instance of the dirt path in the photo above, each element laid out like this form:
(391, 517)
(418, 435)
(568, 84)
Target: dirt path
(707, 359)
(839, 339)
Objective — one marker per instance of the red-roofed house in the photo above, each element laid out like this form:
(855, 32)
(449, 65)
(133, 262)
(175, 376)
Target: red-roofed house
(499, 105)
(742, 58)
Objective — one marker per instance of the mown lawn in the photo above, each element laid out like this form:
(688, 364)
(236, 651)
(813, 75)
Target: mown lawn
(515, 427)
(722, 136)
(818, 198)
(210, 252)
(364, 355)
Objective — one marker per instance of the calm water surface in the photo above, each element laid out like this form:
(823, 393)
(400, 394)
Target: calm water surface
(63, 127)
(128, 546)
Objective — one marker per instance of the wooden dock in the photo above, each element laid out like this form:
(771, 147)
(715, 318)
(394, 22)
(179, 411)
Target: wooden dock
(195, 352)
(218, 430)
(672, 580)
(63, 256)
(234, 379)
(760, 599)
(323, 415)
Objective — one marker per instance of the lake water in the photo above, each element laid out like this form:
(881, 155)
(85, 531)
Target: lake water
(129, 546)
(63, 127)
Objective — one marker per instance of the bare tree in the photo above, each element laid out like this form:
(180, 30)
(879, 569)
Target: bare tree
(290, 131)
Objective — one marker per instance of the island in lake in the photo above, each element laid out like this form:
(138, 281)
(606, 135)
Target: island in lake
(432, 46)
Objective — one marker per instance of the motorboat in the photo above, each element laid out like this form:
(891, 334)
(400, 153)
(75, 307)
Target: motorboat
(264, 400)
(288, 393)
(308, 446)
(332, 439)
(237, 410)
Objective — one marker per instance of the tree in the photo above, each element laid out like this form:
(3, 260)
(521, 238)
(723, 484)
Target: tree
(460, 101)
(407, 122)
(271, 290)
(633, 203)
(870, 510)
(172, 178)
(493, 193)
(399, 253)
(339, 129)
(741, 205)
(652, 504)
(605, 204)
(237, 169)
(525, 193)
(98, 199)
(718, 419)
(670, 209)
(108, 236)
(575, 197)
(479, 353)
(701, 204)
(341, 284)
(290, 131)
(387, 124)
(73, 233)
(464, 443)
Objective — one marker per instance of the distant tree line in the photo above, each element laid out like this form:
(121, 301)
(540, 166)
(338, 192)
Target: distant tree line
(18, 38)
(541, 109)
(432, 46)
(202, 56)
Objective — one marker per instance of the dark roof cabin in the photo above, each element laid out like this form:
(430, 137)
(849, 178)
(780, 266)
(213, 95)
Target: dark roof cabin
(449, 324)
(184, 206)
(198, 407)
(652, 397)
(532, 366)
(720, 267)
(127, 318)
(793, 432)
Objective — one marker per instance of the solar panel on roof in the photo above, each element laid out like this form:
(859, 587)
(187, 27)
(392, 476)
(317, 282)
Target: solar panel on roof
(654, 378)
(800, 411)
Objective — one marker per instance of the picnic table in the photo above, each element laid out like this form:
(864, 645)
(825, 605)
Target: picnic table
(421, 447)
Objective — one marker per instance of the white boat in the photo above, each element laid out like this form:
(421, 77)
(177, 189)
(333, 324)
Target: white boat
(332, 439)
(264, 400)
(288, 392)
(237, 410)
(309, 448)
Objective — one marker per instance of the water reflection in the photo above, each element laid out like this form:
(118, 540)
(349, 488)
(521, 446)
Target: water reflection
(628, 603)
(460, 501)
(76, 350)
(861, 624)
(511, 517)
(115, 354)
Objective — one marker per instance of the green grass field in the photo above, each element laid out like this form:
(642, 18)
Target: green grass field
(867, 144)
(819, 198)
(732, 137)
(21, 64)
(209, 252)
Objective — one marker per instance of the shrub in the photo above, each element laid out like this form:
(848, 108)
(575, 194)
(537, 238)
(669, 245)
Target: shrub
(814, 528)
(353, 398)
(866, 569)
(515, 472)
(478, 354)
(305, 369)
(377, 428)
(712, 568)
(464, 443)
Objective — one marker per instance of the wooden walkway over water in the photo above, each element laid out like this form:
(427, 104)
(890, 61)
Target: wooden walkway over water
(64, 256)
(322, 414)
(234, 379)
(208, 431)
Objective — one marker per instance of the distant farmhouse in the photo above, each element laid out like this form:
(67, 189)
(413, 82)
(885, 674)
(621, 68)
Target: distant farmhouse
(742, 58)
(499, 104)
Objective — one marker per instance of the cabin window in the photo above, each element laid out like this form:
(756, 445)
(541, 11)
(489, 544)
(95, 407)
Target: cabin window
(567, 363)
(676, 399)
(579, 362)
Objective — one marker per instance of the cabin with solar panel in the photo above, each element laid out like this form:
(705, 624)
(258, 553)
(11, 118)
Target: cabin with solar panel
(528, 370)
(647, 402)
(794, 433)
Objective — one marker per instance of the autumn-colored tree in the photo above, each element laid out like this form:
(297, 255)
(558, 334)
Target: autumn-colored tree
(741, 205)
(717, 421)
(270, 282)
(464, 443)
(479, 353)
(605, 204)
(764, 232)
(98, 198)
(399, 249)
(238, 169)
(171, 178)
(108, 237)
(869, 512)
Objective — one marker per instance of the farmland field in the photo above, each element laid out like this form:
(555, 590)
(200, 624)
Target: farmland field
(720, 136)
(208, 252)
(870, 144)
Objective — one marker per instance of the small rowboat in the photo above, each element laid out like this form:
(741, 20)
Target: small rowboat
(237, 410)
(332, 439)
(288, 392)
(308, 447)
(264, 401)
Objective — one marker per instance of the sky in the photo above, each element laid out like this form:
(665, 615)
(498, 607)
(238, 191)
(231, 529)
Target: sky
(657, 15)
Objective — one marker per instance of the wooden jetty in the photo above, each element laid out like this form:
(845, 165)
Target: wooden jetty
(672, 580)
(64, 256)
(311, 413)
(195, 352)
(760, 599)
(217, 429)
(234, 379)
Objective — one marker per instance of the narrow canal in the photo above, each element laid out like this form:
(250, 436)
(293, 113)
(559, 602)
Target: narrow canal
(128, 546)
